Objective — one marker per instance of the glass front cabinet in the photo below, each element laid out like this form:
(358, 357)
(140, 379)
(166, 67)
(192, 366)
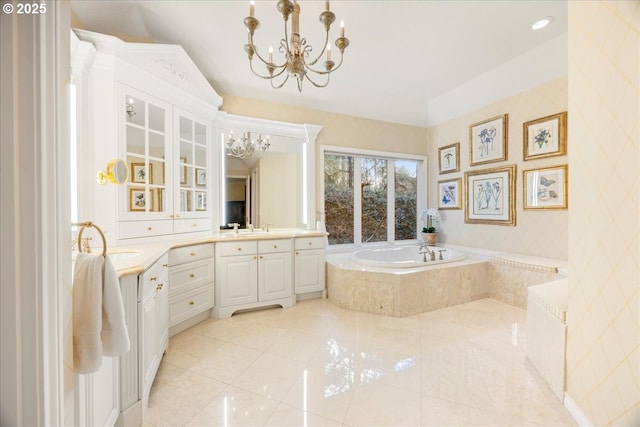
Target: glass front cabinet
(166, 149)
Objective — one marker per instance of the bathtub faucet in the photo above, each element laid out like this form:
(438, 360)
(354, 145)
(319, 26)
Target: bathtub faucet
(432, 254)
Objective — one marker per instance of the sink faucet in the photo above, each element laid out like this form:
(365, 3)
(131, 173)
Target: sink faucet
(432, 253)
(235, 226)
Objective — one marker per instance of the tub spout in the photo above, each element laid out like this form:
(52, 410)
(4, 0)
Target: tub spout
(432, 253)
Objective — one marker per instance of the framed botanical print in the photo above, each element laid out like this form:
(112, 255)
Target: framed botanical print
(546, 188)
(138, 200)
(449, 194)
(545, 137)
(139, 173)
(488, 140)
(449, 158)
(490, 196)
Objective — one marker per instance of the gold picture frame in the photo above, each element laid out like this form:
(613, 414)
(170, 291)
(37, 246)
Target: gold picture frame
(449, 158)
(450, 194)
(490, 196)
(546, 188)
(488, 140)
(545, 137)
(183, 167)
(139, 173)
(138, 200)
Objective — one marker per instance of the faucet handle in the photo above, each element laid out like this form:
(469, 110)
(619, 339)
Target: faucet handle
(266, 227)
(235, 226)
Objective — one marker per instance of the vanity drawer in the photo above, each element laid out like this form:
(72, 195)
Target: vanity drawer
(191, 225)
(190, 304)
(190, 253)
(190, 275)
(248, 247)
(133, 229)
(303, 243)
(153, 277)
(273, 246)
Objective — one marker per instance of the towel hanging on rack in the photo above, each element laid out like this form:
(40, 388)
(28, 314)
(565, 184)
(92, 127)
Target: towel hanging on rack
(99, 327)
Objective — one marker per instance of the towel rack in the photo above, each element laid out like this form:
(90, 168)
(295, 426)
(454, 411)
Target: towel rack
(86, 224)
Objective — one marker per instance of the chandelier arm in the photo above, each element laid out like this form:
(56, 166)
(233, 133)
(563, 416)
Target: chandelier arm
(324, 49)
(281, 84)
(282, 69)
(318, 84)
(324, 71)
(256, 53)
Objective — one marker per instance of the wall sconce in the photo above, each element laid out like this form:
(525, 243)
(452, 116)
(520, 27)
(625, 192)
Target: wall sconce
(129, 110)
(116, 173)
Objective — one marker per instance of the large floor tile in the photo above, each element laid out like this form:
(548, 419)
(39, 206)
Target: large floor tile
(235, 407)
(270, 376)
(319, 365)
(383, 405)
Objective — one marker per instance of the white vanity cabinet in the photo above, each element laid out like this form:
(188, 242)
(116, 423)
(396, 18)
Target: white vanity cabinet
(149, 104)
(191, 270)
(153, 327)
(252, 274)
(309, 267)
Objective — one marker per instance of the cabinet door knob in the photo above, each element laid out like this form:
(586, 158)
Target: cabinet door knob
(159, 287)
(165, 265)
(275, 246)
(149, 228)
(195, 225)
(192, 302)
(192, 254)
(254, 257)
(310, 243)
(192, 275)
(153, 279)
(239, 249)
(171, 216)
(260, 256)
(297, 253)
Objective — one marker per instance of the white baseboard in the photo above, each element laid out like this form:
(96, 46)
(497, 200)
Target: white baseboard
(576, 412)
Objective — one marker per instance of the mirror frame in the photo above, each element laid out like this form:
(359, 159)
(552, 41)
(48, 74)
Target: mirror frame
(306, 133)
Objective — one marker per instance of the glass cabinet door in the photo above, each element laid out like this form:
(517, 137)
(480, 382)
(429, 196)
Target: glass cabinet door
(193, 170)
(146, 142)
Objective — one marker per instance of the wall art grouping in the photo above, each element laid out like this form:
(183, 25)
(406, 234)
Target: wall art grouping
(489, 194)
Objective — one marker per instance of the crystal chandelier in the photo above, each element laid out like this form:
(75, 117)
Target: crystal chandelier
(297, 52)
(246, 147)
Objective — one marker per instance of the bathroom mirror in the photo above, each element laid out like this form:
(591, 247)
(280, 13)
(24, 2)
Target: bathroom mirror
(116, 173)
(277, 189)
(268, 189)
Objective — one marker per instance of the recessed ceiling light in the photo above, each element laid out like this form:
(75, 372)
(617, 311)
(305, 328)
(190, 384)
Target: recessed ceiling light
(542, 23)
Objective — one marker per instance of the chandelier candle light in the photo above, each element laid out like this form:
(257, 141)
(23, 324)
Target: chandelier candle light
(246, 147)
(295, 48)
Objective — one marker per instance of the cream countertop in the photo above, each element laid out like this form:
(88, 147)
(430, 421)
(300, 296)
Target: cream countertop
(151, 252)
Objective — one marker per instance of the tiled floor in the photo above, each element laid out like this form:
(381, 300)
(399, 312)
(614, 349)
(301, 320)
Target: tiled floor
(318, 365)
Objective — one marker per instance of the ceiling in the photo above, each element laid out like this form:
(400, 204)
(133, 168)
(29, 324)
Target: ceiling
(411, 62)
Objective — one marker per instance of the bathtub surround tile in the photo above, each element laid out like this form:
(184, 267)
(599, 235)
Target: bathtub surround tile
(463, 365)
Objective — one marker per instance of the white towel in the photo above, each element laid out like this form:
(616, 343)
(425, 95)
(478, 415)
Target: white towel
(115, 337)
(98, 313)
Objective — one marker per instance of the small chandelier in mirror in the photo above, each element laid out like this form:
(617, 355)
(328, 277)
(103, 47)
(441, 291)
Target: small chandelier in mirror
(244, 146)
(297, 60)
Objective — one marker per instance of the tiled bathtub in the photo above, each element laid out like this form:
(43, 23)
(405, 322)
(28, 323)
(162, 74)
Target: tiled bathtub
(404, 292)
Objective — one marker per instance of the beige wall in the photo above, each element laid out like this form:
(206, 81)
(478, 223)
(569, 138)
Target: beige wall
(603, 362)
(540, 233)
